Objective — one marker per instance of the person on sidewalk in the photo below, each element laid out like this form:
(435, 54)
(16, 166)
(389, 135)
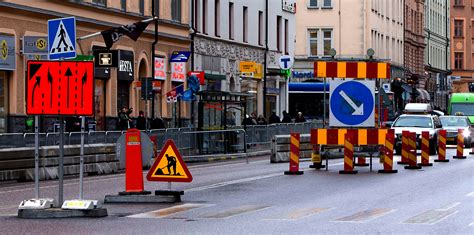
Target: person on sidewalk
(286, 117)
(141, 121)
(300, 117)
(274, 118)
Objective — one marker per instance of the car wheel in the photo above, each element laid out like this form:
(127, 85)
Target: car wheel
(433, 147)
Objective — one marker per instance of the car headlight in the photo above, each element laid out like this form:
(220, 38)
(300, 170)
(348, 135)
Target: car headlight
(466, 133)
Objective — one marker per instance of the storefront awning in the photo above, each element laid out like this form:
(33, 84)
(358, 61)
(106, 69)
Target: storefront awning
(307, 87)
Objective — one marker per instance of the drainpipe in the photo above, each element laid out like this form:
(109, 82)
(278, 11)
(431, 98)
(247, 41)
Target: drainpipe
(193, 34)
(265, 61)
(153, 46)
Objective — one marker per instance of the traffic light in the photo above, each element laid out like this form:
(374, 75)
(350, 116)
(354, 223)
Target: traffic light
(147, 88)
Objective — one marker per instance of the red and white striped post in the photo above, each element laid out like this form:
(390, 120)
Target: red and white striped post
(442, 147)
(348, 155)
(294, 155)
(412, 152)
(425, 149)
(460, 147)
(388, 153)
(404, 160)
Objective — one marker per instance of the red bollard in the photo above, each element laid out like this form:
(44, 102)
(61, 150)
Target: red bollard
(348, 155)
(442, 147)
(460, 148)
(404, 160)
(133, 164)
(361, 162)
(425, 149)
(412, 152)
(388, 152)
(294, 155)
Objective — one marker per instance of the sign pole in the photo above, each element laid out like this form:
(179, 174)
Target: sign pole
(61, 158)
(81, 164)
(324, 103)
(36, 157)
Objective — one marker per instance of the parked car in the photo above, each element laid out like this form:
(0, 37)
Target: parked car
(452, 124)
(417, 123)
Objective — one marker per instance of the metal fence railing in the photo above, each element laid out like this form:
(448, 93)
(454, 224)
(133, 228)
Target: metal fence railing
(190, 141)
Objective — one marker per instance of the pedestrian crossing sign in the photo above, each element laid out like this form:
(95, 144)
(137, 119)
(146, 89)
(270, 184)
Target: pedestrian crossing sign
(62, 38)
(169, 166)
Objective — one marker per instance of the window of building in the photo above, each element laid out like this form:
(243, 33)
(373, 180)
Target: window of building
(458, 60)
(320, 42)
(123, 5)
(260, 28)
(458, 2)
(313, 3)
(204, 16)
(231, 20)
(458, 28)
(100, 2)
(217, 18)
(285, 43)
(278, 33)
(142, 7)
(327, 3)
(176, 10)
(244, 25)
(313, 42)
(472, 27)
(327, 41)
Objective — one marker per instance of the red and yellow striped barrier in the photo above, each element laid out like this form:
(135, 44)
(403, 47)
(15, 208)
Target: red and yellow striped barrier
(294, 155)
(425, 149)
(361, 137)
(388, 153)
(460, 148)
(360, 70)
(404, 160)
(442, 147)
(348, 154)
(412, 152)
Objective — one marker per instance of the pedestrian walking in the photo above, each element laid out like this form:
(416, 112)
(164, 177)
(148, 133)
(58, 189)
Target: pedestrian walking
(261, 120)
(124, 118)
(286, 117)
(300, 117)
(274, 119)
(141, 121)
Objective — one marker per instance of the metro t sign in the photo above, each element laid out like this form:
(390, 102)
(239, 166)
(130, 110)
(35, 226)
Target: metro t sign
(60, 88)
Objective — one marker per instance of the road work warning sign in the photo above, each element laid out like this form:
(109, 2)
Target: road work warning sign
(169, 166)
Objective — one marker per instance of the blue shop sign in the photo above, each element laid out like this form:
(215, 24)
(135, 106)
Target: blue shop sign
(303, 74)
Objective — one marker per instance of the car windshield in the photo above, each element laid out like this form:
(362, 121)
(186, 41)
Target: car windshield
(465, 108)
(453, 121)
(413, 121)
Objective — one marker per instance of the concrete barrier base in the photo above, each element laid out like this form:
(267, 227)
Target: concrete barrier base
(52, 213)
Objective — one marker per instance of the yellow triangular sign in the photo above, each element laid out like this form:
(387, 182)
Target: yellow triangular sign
(169, 166)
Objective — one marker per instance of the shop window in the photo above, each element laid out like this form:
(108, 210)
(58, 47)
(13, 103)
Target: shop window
(176, 10)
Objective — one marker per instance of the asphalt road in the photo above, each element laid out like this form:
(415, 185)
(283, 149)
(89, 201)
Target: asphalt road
(256, 198)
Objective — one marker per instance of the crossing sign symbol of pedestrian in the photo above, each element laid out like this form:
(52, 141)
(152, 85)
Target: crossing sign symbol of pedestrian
(62, 38)
(169, 166)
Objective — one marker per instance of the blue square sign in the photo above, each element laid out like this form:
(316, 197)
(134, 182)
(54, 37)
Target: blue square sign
(62, 38)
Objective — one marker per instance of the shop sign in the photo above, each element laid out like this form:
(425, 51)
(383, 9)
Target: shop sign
(303, 74)
(178, 71)
(199, 74)
(125, 66)
(7, 53)
(106, 58)
(247, 66)
(35, 45)
(288, 6)
(251, 69)
(160, 68)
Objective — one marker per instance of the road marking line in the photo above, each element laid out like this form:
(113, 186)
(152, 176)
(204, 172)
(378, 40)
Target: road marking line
(471, 194)
(235, 211)
(298, 214)
(366, 215)
(244, 180)
(430, 217)
(450, 206)
(471, 224)
(169, 211)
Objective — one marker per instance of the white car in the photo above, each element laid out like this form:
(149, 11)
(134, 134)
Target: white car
(417, 123)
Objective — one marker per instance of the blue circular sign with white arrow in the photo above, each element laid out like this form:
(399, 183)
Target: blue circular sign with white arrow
(352, 103)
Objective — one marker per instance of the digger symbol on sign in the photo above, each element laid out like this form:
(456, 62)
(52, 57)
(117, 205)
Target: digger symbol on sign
(169, 159)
